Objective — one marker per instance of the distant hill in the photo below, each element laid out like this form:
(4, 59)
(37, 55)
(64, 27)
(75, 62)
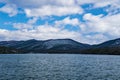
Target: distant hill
(62, 46)
(53, 45)
(108, 47)
(110, 43)
(4, 50)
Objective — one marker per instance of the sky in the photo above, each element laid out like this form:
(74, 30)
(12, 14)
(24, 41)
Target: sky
(86, 21)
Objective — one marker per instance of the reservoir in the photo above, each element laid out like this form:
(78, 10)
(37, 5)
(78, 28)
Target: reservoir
(59, 67)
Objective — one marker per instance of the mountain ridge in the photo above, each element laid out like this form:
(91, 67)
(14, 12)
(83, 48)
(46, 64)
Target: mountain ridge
(63, 46)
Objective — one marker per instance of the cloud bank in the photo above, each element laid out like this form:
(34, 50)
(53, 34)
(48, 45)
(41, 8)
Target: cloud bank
(91, 28)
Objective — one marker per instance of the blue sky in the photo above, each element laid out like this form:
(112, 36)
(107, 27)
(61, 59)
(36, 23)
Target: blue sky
(88, 21)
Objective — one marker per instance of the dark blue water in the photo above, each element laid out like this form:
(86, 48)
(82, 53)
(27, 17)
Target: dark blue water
(59, 67)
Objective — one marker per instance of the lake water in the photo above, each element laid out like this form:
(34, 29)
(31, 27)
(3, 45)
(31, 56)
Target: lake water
(59, 67)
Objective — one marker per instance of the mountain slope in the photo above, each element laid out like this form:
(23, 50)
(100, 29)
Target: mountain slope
(63, 46)
(110, 43)
(7, 50)
(53, 45)
(108, 47)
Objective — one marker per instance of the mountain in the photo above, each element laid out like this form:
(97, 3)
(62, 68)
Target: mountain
(5, 50)
(63, 46)
(108, 47)
(52, 45)
(110, 43)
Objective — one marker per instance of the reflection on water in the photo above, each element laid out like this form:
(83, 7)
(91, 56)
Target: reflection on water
(59, 67)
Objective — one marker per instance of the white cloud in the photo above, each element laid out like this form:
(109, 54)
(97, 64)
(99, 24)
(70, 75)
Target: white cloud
(41, 33)
(28, 25)
(3, 1)
(22, 26)
(9, 9)
(41, 8)
(50, 10)
(96, 28)
(111, 6)
(33, 20)
(105, 28)
(68, 21)
(99, 3)
(39, 3)
(48, 32)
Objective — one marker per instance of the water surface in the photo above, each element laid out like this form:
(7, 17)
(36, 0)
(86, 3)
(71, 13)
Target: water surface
(59, 67)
